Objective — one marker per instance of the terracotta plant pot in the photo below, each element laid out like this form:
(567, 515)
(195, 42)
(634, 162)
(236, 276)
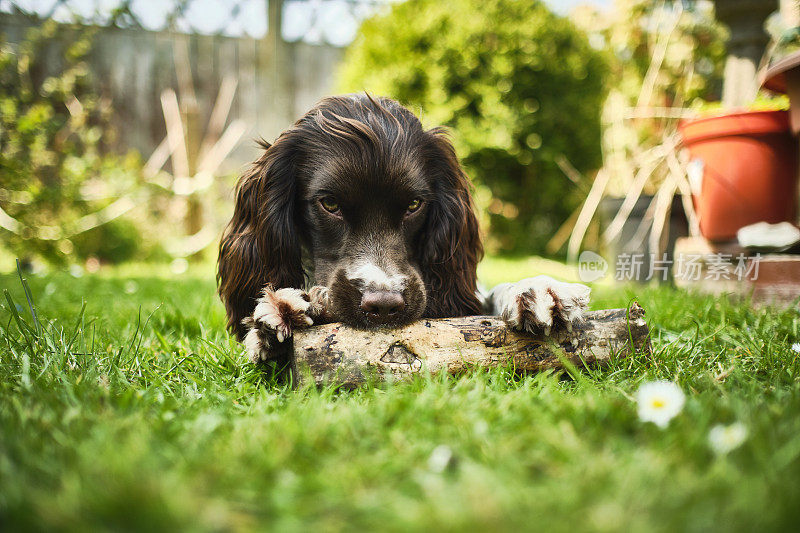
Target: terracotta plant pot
(749, 170)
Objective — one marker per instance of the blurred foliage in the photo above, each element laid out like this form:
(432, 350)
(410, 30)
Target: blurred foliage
(116, 241)
(665, 55)
(784, 34)
(519, 86)
(633, 30)
(58, 164)
(764, 101)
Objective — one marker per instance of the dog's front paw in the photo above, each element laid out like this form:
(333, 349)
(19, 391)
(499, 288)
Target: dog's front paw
(276, 315)
(541, 304)
(320, 308)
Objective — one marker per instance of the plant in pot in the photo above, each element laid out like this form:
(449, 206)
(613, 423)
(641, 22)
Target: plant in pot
(640, 200)
(744, 163)
(743, 168)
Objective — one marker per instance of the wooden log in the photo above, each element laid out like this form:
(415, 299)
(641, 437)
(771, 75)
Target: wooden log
(338, 354)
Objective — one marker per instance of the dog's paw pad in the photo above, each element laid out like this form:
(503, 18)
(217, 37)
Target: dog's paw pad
(538, 305)
(283, 310)
(257, 345)
(276, 316)
(320, 304)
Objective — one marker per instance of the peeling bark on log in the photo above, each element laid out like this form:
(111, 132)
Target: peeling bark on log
(338, 354)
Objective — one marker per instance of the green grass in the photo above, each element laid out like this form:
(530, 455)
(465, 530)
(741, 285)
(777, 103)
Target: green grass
(139, 413)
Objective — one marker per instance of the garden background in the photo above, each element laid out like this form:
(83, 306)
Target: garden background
(125, 405)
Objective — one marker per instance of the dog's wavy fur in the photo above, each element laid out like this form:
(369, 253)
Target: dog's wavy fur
(267, 240)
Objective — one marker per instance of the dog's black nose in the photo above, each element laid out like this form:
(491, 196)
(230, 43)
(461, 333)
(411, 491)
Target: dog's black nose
(382, 306)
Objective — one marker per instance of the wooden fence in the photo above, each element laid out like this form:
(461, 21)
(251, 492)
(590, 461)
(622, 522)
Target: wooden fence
(276, 81)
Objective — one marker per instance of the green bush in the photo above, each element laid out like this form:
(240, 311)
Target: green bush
(519, 87)
(58, 166)
(114, 242)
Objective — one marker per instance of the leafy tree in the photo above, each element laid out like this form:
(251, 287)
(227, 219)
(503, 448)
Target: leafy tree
(58, 168)
(519, 86)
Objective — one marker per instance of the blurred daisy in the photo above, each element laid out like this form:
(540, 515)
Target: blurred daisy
(796, 347)
(179, 265)
(440, 459)
(131, 287)
(659, 402)
(723, 439)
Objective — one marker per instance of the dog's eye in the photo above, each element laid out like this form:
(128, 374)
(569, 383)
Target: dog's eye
(414, 205)
(330, 204)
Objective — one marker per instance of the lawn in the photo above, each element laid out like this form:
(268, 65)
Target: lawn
(139, 413)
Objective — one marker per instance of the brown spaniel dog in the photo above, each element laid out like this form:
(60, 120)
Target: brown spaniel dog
(357, 214)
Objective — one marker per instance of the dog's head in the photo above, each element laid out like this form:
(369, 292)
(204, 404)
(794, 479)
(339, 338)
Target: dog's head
(356, 196)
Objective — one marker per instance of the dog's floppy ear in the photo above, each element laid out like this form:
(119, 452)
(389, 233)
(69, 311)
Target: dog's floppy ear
(261, 243)
(451, 249)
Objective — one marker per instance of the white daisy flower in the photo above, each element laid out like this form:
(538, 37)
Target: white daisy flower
(179, 265)
(440, 459)
(131, 287)
(724, 439)
(796, 347)
(659, 402)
